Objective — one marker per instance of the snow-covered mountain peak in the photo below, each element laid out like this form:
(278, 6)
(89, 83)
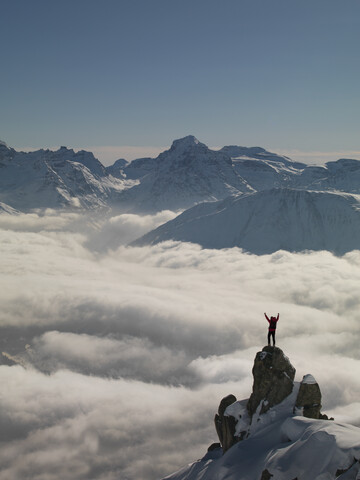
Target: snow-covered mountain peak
(82, 156)
(186, 143)
(65, 149)
(347, 163)
(6, 153)
(237, 151)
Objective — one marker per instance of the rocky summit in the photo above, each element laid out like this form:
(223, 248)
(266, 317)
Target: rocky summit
(273, 383)
(273, 379)
(279, 433)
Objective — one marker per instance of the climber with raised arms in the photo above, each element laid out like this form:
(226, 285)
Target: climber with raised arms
(272, 327)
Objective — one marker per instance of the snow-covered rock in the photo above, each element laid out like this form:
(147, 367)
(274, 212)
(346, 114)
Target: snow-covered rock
(291, 447)
(272, 387)
(267, 221)
(278, 443)
(308, 402)
(225, 425)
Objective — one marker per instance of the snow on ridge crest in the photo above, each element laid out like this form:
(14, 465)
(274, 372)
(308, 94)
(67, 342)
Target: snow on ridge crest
(289, 440)
(186, 142)
(189, 173)
(309, 379)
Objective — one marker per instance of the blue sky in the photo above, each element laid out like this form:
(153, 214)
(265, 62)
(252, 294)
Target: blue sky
(106, 75)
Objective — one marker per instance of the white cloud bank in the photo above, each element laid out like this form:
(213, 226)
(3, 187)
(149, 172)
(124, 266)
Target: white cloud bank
(117, 360)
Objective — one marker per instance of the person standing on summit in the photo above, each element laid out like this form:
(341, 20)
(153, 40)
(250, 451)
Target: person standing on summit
(272, 327)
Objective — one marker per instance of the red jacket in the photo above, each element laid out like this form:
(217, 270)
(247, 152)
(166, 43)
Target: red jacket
(272, 322)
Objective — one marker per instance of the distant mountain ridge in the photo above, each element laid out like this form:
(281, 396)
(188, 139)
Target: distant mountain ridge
(55, 179)
(182, 176)
(237, 196)
(186, 174)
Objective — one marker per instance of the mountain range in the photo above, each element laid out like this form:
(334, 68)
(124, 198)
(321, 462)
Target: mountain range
(236, 196)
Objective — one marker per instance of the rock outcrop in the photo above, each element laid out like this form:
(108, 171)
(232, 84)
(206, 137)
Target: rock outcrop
(273, 383)
(273, 379)
(225, 425)
(308, 402)
(266, 475)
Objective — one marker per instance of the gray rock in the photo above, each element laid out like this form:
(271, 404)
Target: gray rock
(273, 379)
(273, 382)
(341, 471)
(309, 398)
(225, 425)
(266, 475)
(213, 446)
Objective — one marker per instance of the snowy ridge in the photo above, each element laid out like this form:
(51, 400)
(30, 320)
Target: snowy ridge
(267, 221)
(186, 174)
(7, 209)
(341, 175)
(181, 177)
(63, 178)
(278, 443)
(237, 196)
(289, 447)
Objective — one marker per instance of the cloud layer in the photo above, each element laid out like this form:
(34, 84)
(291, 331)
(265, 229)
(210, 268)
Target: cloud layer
(117, 357)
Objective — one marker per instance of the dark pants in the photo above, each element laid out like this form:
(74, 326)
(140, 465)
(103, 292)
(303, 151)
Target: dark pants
(271, 334)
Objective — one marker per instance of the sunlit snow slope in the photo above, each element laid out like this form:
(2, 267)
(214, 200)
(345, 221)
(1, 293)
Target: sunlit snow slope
(266, 221)
(289, 448)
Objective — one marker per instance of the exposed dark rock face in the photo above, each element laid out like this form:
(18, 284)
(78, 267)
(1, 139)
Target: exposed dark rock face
(225, 425)
(273, 379)
(266, 475)
(340, 471)
(273, 383)
(213, 447)
(323, 416)
(309, 398)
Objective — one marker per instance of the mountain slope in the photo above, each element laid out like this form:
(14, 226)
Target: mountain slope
(266, 221)
(293, 447)
(186, 174)
(63, 178)
(342, 175)
(262, 169)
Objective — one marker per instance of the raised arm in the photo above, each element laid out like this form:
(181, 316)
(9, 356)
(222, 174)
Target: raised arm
(267, 318)
(277, 318)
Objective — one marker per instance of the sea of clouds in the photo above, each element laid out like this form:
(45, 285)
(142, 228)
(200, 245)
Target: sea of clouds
(115, 358)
